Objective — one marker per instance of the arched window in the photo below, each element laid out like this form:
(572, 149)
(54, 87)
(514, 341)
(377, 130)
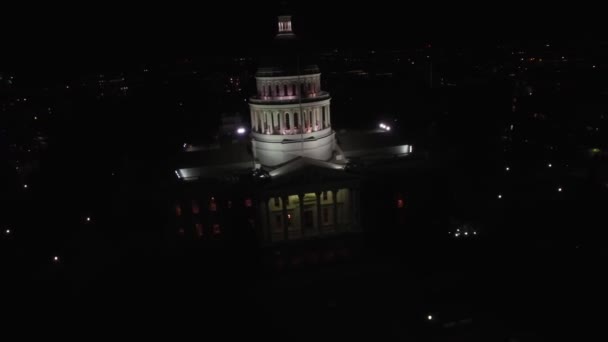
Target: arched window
(293, 90)
(287, 126)
(285, 89)
(269, 93)
(278, 91)
(296, 120)
(302, 90)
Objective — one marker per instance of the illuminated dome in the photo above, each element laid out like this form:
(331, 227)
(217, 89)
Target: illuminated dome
(290, 114)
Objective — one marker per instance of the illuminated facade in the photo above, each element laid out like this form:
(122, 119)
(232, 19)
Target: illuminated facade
(290, 114)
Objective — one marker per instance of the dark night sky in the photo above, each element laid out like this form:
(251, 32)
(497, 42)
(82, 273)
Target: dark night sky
(69, 35)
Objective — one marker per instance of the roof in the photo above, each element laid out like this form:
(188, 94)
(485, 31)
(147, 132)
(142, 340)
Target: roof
(305, 172)
(372, 144)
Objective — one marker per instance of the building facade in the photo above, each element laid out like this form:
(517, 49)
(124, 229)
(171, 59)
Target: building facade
(290, 113)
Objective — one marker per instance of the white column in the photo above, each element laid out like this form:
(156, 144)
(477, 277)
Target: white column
(320, 119)
(268, 122)
(252, 122)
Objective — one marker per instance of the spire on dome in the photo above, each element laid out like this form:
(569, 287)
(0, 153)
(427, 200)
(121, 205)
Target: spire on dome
(285, 29)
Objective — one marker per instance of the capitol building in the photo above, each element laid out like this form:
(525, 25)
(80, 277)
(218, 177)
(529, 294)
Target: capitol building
(297, 184)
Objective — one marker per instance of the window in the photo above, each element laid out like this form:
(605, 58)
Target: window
(326, 215)
(325, 195)
(308, 219)
(296, 120)
(293, 89)
(278, 222)
(212, 204)
(277, 203)
(199, 229)
(287, 121)
(285, 89)
(400, 203)
(178, 210)
(216, 229)
(278, 91)
(195, 208)
(248, 203)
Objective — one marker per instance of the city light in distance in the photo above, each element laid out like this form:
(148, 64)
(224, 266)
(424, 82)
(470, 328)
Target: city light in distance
(385, 127)
(559, 189)
(56, 259)
(507, 168)
(25, 186)
(429, 317)
(549, 165)
(241, 130)
(499, 196)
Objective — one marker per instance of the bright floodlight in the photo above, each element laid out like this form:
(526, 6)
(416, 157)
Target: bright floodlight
(559, 189)
(429, 317)
(499, 196)
(88, 219)
(507, 168)
(240, 130)
(383, 126)
(55, 258)
(8, 231)
(388, 128)
(549, 165)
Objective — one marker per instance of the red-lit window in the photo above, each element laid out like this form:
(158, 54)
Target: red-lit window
(229, 204)
(216, 229)
(212, 204)
(199, 229)
(195, 207)
(248, 203)
(400, 203)
(178, 210)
